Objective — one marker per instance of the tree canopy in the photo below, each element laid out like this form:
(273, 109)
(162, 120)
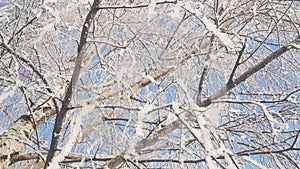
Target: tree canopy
(149, 84)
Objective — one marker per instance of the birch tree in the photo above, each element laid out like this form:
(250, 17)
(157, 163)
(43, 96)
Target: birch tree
(149, 84)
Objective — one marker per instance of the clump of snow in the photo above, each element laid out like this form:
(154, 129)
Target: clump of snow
(141, 117)
(151, 7)
(224, 38)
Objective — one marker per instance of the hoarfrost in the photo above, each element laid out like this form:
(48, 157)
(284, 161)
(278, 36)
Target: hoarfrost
(224, 38)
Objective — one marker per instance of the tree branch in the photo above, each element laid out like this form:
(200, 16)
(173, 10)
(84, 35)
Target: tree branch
(27, 62)
(143, 5)
(244, 76)
(237, 63)
(75, 76)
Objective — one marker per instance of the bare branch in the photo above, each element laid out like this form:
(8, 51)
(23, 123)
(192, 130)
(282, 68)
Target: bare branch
(68, 95)
(245, 76)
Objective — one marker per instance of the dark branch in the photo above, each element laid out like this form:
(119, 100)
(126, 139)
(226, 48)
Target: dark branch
(245, 75)
(75, 76)
(22, 28)
(237, 63)
(135, 6)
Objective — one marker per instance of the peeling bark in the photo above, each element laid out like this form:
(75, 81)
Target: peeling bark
(12, 141)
